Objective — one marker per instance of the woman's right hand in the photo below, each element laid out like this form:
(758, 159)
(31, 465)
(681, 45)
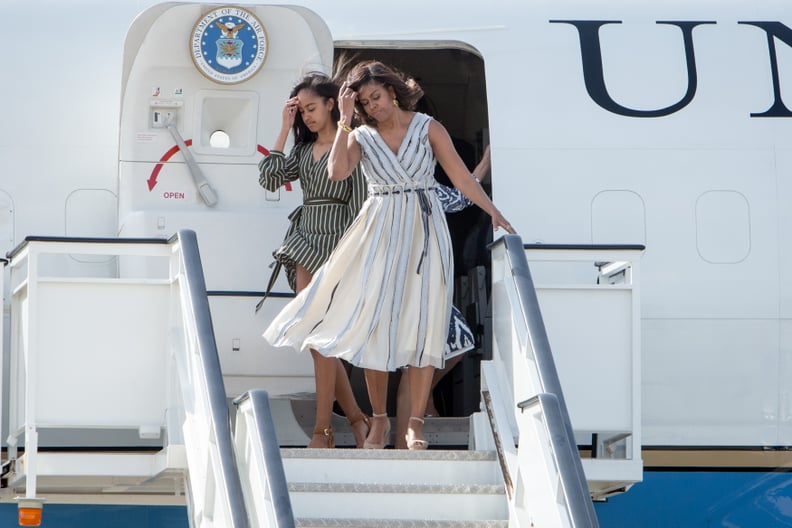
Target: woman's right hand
(346, 103)
(290, 110)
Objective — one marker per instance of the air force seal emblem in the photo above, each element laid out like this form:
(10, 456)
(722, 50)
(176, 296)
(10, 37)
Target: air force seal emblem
(228, 45)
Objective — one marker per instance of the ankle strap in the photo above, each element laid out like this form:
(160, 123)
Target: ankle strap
(417, 419)
(375, 415)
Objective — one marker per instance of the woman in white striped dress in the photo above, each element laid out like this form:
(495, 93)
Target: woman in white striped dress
(383, 299)
(316, 226)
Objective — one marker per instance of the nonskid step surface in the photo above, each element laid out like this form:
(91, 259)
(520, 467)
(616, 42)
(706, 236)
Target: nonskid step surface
(433, 489)
(391, 466)
(399, 501)
(389, 454)
(396, 523)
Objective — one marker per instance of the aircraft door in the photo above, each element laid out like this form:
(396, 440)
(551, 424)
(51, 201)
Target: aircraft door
(202, 95)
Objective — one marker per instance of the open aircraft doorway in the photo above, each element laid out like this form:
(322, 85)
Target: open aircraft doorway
(451, 75)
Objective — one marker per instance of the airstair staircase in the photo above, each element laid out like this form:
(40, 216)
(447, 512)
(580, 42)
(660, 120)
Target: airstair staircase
(84, 379)
(395, 488)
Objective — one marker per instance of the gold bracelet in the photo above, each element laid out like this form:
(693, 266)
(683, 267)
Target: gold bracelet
(344, 126)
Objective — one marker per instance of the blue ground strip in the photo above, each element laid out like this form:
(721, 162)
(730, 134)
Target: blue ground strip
(702, 499)
(104, 516)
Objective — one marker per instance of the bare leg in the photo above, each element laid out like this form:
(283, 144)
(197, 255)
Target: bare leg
(325, 378)
(332, 381)
(346, 399)
(431, 410)
(402, 410)
(303, 277)
(420, 385)
(377, 383)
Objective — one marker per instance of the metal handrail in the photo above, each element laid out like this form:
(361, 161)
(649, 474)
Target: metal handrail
(581, 509)
(274, 474)
(573, 478)
(210, 361)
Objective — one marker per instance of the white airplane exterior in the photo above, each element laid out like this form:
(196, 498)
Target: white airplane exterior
(656, 125)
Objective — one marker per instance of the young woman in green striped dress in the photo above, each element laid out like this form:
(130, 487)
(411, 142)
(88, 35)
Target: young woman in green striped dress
(328, 208)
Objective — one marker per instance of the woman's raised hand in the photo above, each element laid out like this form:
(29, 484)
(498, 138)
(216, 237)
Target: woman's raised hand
(346, 103)
(290, 110)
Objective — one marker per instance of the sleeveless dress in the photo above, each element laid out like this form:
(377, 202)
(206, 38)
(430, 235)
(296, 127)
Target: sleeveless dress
(383, 299)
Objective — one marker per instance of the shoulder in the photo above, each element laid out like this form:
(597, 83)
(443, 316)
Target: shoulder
(422, 120)
(436, 130)
(362, 132)
(421, 125)
(423, 117)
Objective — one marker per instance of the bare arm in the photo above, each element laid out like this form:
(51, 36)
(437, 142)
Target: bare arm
(344, 156)
(482, 170)
(462, 179)
(345, 152)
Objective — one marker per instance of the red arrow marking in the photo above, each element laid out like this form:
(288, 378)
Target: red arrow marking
(152, 181)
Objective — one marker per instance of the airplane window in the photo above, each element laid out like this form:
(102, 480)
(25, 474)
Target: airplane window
(219, 139)
(723, 226)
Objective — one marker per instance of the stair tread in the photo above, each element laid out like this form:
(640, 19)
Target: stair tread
(388, 454)
(397, 523)
(480, 489)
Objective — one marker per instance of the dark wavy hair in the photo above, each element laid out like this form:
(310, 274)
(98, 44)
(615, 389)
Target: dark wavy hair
(322, 86)
(405, 88)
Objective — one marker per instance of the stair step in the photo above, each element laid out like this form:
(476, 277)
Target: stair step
(391, 466)
(396, 523)
(403, 454)
(426, 501)
(450, 489)
(391, 487)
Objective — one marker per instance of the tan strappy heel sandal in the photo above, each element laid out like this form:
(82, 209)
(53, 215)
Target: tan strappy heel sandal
(361, 425)
(413, 443)
(385, 435)
(325, 437)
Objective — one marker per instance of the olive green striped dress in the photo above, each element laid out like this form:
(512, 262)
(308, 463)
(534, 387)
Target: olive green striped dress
(328, 206)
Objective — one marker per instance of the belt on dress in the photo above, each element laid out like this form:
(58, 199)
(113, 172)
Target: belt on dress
(273, 277)
(423, 202)
(324, 201)
(294, 217)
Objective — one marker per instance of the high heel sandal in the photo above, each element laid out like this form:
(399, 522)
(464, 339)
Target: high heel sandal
(361, 425)
(326, 436)
(415, 444)
(385, 435)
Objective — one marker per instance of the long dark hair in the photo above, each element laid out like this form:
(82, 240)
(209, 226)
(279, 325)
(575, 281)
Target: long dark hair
(322, 86)
(405, 88)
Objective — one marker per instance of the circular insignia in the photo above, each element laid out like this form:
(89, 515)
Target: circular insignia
(228, 45)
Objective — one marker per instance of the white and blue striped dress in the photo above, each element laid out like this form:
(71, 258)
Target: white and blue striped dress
(383, 298)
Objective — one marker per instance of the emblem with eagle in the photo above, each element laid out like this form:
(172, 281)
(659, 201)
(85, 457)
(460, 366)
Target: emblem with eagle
(229, 45)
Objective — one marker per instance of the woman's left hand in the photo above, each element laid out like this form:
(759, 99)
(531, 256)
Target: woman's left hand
(498, 221)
